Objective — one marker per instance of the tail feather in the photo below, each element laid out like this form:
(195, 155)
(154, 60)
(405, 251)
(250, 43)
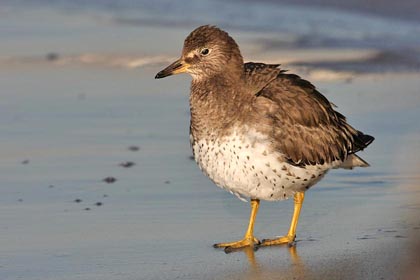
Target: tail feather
(352, 161)
(367, 139)
(362, 141)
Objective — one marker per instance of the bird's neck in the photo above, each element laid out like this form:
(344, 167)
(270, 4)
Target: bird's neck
(216, 105)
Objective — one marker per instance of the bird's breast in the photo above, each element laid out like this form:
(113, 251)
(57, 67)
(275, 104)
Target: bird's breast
(244, 163)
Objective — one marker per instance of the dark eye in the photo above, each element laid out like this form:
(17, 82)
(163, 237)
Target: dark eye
(204, 51)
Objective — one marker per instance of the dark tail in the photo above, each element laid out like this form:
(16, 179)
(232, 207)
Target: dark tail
(361, 141)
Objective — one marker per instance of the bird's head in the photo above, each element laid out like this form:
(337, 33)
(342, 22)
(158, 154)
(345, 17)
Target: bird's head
(207, 51)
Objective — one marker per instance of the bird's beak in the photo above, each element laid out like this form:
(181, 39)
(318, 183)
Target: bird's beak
(177, 67)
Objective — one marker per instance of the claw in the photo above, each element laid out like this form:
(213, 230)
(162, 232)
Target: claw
(229, 250)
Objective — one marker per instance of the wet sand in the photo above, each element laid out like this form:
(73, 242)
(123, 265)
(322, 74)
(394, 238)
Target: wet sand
(68, 126)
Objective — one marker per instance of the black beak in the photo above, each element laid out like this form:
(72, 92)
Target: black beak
(175, 68)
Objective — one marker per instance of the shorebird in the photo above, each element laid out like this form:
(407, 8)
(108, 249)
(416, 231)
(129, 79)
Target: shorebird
(258, 131)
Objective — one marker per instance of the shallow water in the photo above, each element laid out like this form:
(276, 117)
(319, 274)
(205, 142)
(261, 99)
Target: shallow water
(67, 126)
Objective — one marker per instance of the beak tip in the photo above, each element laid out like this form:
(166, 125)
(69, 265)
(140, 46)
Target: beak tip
(159, 75)
(175, 68)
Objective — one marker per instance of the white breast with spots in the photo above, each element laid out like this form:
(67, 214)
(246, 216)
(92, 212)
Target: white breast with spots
(244, 165)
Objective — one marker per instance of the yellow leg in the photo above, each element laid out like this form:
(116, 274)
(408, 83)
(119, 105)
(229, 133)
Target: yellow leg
(249, 239)
(291, 235)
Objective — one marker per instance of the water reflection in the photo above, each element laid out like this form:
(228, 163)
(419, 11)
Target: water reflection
(293, 266)
(297, 268)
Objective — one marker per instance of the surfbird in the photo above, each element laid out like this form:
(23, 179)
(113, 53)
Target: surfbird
(258, 131)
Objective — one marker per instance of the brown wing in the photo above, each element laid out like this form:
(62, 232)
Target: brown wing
(308, 129)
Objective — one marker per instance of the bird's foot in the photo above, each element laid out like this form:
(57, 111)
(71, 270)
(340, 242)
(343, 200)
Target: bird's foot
(248, 241)
(287, 239)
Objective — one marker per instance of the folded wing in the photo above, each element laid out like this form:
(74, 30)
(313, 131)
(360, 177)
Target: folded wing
(308, 129)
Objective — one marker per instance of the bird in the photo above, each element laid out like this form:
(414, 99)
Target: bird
(258, 131)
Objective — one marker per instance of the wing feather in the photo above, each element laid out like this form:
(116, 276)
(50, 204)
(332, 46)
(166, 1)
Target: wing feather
(308, 129)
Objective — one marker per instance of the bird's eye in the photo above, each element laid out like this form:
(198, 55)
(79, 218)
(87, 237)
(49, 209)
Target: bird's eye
(204, 52)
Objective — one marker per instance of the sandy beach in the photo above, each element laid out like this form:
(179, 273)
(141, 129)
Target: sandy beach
(79, 104)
